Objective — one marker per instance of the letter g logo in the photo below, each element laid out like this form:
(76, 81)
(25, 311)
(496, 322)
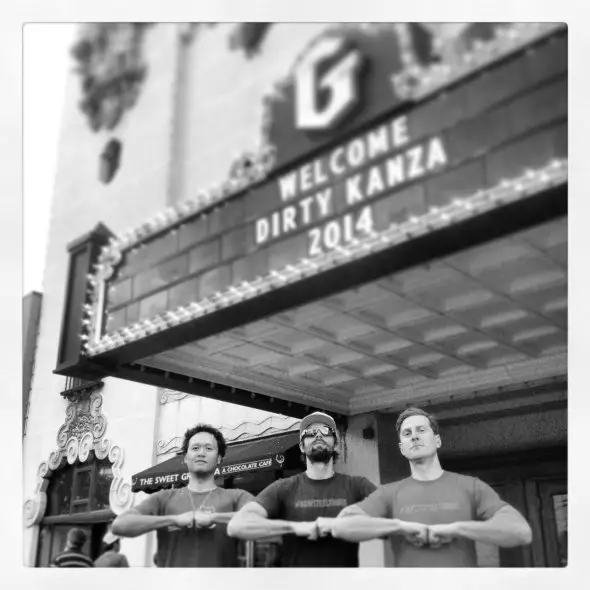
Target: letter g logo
(340, 80)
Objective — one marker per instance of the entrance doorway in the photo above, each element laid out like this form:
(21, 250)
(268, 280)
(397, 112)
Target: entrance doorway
(77, 496)
(535, 483)
(553, 499)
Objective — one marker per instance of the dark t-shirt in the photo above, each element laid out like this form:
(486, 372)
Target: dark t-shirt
(450, 498)
(196, 547)
(299, 498)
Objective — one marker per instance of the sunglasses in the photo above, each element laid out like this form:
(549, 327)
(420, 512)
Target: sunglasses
(323, 430)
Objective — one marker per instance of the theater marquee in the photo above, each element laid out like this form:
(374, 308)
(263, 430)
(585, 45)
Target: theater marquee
(373, 179)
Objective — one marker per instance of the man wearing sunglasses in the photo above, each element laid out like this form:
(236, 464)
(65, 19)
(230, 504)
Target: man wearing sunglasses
(304, 507)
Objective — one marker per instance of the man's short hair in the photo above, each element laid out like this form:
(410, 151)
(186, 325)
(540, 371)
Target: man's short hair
(221, 444)
(76, 538)
(416, 412)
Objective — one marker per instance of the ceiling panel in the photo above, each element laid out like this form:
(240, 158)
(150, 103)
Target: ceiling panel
(498, 311)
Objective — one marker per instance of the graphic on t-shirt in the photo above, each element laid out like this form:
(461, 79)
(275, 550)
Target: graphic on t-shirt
(321, 503)
(436, 507)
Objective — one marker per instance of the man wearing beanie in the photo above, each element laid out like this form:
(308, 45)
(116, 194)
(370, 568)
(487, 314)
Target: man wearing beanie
(303, 507)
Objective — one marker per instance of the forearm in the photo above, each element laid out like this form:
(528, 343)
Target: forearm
(253, 526)
(222, 517)
(501, 532)
(133, 525)
(364, 528)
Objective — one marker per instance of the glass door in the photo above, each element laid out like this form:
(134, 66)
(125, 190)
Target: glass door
(553, 497)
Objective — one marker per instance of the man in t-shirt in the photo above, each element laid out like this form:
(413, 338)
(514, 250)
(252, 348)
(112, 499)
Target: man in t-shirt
(72, 555)
(191, 522)
(303, 507)
(433, 517)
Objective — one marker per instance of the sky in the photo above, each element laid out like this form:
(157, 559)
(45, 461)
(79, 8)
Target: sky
(45, 65)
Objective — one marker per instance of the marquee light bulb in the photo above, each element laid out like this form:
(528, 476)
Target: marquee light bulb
(481, 200)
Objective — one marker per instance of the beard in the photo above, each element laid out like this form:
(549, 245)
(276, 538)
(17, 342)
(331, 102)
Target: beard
(320, 454)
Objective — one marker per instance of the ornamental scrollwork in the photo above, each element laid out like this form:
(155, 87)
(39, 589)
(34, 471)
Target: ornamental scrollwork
(82, 416)
(111, 68)
(248, 37)
(82, 433)
(164, 447)
(169, 395)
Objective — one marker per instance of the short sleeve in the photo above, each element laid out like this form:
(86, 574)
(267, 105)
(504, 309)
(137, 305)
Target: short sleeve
(378, 504)
(364, 488)
(242, 497)
(152, 505)
(270, 498)
(486, 500)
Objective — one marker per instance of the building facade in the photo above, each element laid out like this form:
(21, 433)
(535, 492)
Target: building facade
(31, 317)
(349, 217)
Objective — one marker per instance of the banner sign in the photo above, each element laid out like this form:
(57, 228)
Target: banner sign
(265, 463)
(179, 477)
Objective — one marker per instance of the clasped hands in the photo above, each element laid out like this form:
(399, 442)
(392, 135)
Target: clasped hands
(434, 535)
(415, 533)
(197, 519)
(314, 529)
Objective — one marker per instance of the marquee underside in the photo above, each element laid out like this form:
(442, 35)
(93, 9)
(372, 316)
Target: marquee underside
(488, 317)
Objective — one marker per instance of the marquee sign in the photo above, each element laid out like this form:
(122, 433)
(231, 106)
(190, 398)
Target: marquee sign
(355, 72)
(349, 177)
(404, 174)
(340, 81)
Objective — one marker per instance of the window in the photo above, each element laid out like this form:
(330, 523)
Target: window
(560, 515)
(110, 160)
(77, 495)
(79, 488)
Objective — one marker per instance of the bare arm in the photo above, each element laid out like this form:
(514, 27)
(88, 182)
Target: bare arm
(507, 528)
(132, 523)
(241, 498)
(205, 519)
(354, 524)
(252, 522)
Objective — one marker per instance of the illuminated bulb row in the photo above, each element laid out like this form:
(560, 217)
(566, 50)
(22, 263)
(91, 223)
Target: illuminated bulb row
(89, 311)
(415, 83)
(261, 163)
(435, 218)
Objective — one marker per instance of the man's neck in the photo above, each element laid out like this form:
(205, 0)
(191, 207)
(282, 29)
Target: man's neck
(427, 470)
(320, 470)
(201, 482)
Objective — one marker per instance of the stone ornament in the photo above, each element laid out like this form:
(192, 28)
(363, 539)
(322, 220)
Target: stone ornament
(82, 432)
(111, 69)
(168, 396)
